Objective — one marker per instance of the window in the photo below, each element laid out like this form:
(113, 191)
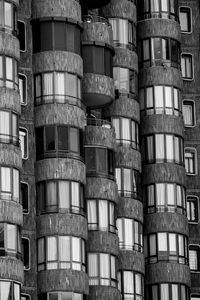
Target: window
(60, 195)
(26, 253)
(61, 296)
(185, 19)
(9, 183)
(167, 291)
(9, 128)
(187, 66)
(160, 99)
(22, 35)
(10, 240)
(101, 215)
(125, 82)
(131, 285)
(23, 136)
(23, 88)
(194, 258)
(97, 60)
(161, 148)
(162, 197)
(192, 209)
(124, 33)
(25, 197)
(10, 290)
(127, 131)
(128, 182)
(130, 234)
(57, 87)
(190, 161)
(56, 35)
(102, 269)
(158, 9)
(189, 113)
(8, 72)
(25, 297)
(58, 141)
(159, 52)
(8, 16)
(165, 246)
(61, 252)
(99, 161)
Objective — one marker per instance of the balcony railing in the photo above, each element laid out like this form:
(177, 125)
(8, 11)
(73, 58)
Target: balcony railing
(95, 19)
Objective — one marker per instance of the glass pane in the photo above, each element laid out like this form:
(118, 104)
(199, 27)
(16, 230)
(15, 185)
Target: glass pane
(8, 14)
(162, 241)
(64, 250)
(103, 215)
(50, 138)
(64, 194)
(128, 282)
(74, 144)
(62, 138)
(12, 237)
(160, 146)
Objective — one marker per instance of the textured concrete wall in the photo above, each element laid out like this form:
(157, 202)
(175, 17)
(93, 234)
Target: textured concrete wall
(167, 272)
(162, 123)
(10, 99)
(56, 8)
(11, 268)
(57, 61)
(101, 188)
(100, 136)
(160, 76)
(128, 157)
(60, 168)
(11, 212)
(164, 172)
(62, 280)
(10, 155)
(104, 242)
(64, 114)
(131, 260)
(129, 208)
(97, 32)
(104, 293)
(120, 9)
(9, 45)
(159, 27)
(97, 84)
(125, 58)
(165, 222)
(62, 224)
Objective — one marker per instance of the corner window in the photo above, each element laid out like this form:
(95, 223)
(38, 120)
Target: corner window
(9, 183)
(189, 113)
(10, 240)
(8, 72)
(187, 66)
(185, 19)
(61, 252)
(57, 87)
(102, 269)
(22, 35)
(10, 290)
(128, 182)
(191, 161)
(130, 234)
(23, 136)
(162, 197)
(9, 128)
(192, 209)
(26, 253)
(25, 197)
(23, 88)
(101, 215)
(125, 82)
(165, 246)
(8, 15)
(58, 141)
(99, 161)
(167, 291)
(160, 99)
(194, 257)
(60, 195)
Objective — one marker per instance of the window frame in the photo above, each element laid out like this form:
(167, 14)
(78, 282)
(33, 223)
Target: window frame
(29, 252)
(26, 142)
(195, 165)
(194, 247)
(186, 78)
(195, 199)
(24, 86)
(26, 296)
(188, 11)
(28, 199)
(149, 291)
(5, 251)
(12, 187)
(10, 138)
(131, 88)
(13, 27)
(25, 36)
(12, 285)
(134, 294)
(193, 112)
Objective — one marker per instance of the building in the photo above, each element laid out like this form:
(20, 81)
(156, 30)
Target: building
(99, 149)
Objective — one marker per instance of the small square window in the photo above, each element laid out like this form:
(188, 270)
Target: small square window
(194, 258)
(26, 252)
(188, 113)
(185, 19)
(23, 136)
(190, 161)
(22, 35)
(24, 197)
(187, 66)
(192, 209)
(23, 88)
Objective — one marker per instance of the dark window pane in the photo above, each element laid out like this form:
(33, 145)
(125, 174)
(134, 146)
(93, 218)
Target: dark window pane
(53, 296)
(39, 142)
(50, 138)
(59, 33)
(46, 37)
(101, 161)
(99, 60)
(22, 35)
(77, 45)
(41, 203)
(108, 63)
(1, 235)
(90, 155)
(74, 145)
(62, 138)
(42, 296)
(25, 251)
(70, 37)
(87, 54)
(24, 195)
